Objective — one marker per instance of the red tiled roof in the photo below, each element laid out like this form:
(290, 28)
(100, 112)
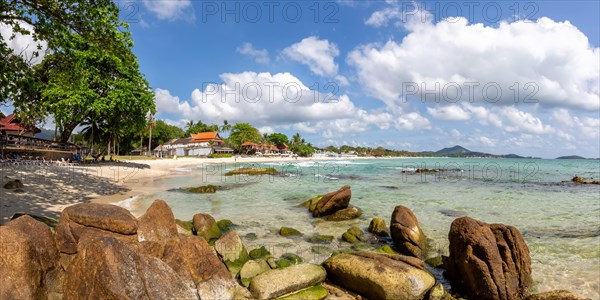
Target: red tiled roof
(11, 123)
(206, 137)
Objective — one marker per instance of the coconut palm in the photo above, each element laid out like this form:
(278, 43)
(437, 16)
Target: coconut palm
(226, 127)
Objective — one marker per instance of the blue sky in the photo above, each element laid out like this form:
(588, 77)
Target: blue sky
(508, 77)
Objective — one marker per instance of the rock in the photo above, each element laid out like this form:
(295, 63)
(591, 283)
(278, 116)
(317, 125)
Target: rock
(14, 184)
(288, 231)
(253, 171)
(581, 180)
(46, 220)
(377, 227)
(344, 214)
(332, 202)
(320, 249)
(193, 258)
(406, 233)
(225, 225)
(312, 203)
(320, 239)
(386, 249)
(488, 261)
(232, 251)
(353, 235)
(252, 268)
(556, 295)
(103, 216)
(278, 282)
(292, 258)
(338, 293)
(110, 269)
(438, 293)
(316, 292)
(426, 171)
(185, 227)
(28, 255)
(157, 224)
(206, 226)
(380, 276)
(251, 236)
(435, 262)
(203, 189)
(259, 253)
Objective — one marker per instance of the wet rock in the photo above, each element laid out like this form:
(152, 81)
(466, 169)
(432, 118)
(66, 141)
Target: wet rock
(386, 249)
(225, 225)
(488, 261)
(278, 282)
(28, 255)
(435, 262)
(288, 231)
(320, 239)
(452, 213)
(252, 171)
(344, 214)
(556, 295)
(332, 202)
(185, 227)
(353, 235)
(251, 236)
(581, 180)
(252, 268)
(377, 227)
(259, 253)
(206, 226)
(380, 276)
(14, 184)
(202, 189)
(406, 232)
(439, 293)
(232, 251)
(312, 203)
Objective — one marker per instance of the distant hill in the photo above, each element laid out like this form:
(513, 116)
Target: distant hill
(571, 157)
(46, 134)
(460, 151)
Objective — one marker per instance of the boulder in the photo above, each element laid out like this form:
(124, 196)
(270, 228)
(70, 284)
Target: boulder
(157, 225)
(259, 253)
(439, 293)
(332, 202)
(353, 235)
(288, 231)
(28, 255)
(556, 295)
(488, 261)
(406, 232)
(225, 225)
(232, 251)
(316, 292)
(14, 184)
(380, 276)
(344, 214)
(377, 227)
(252, 268)
(206, 226)
(312, 203)
(110, 269)
(103, 216)
(278, 282)
(194, 258)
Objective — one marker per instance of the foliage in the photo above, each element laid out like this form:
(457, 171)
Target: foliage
(226, 127)
(193, 128)
(278, 139)
(300, 147)
(243, 132)
(220, 155)
(163, 132)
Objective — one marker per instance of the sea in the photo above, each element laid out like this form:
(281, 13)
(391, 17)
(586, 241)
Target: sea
(559, 220)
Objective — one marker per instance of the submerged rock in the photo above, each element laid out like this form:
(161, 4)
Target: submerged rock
(380, 276)
(556, 295)
(278, 282)
(488, 261)
(258, 253)
(353, 235)
(202, 189)
(316, 292)
(288, 231)
(332, 202)
(406, 232)
(320, 239)
(377, 227)
(14, 184)
(581, 180)
(252, 171)
(344, 214)
(225, 225)
(312, 203)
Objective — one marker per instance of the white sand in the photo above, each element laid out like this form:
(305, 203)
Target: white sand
(50, 188)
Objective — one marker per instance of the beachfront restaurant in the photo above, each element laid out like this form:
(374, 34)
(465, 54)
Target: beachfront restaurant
(200, 144)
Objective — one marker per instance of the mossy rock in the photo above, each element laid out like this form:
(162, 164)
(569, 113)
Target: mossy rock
(320, 239)
(377, 227)
(353, 235)
(356, 231)
(436, 262)
(252, 268)
(288, 231)
(320, 249)
(259, 253)
(288, 259)
(202, 189)
(283, 263)
(252, 171)
(316, 292)
(312, 203)
(361, 246)
(386, 249)
(187, 225)
(225, 225)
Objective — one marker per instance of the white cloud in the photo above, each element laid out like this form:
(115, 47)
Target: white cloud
(24, 45)
(260, 56)
(519, 121)
(448, 113)
(554, 61)
(317, 54)
(171, 9)
(411, 121)
(483, 115)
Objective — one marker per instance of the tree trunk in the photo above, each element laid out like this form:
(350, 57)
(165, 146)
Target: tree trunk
(65, 134)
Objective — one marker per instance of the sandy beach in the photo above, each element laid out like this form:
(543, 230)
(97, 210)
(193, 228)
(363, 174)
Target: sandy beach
(49, 188)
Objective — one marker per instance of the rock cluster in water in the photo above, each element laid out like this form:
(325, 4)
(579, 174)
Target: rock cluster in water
(101, 251)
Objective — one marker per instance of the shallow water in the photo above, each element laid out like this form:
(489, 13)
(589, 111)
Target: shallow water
(559, 220)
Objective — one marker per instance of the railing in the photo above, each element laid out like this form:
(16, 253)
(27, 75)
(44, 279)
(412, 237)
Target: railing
(20, 142)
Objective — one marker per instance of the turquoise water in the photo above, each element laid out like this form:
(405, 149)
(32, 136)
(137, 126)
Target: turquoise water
(559, 220)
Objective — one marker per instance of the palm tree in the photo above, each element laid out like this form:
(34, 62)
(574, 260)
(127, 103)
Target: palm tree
(189, 125)
(296, 139)
(92, 131)
(226, 127)
(151, 123)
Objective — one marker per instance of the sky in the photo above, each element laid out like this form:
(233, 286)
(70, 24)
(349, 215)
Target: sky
(499, 77)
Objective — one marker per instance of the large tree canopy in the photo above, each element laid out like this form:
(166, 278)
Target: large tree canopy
(89, 72)
(243, 132)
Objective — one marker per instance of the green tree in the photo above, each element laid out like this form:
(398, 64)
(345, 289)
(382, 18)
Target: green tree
(243, 132)
(278, 139)
(199, 126)
(164, 132)
(226, 127)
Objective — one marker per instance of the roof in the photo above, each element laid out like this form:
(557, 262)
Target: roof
(206, 137)
(11, 123)
(247, 144)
